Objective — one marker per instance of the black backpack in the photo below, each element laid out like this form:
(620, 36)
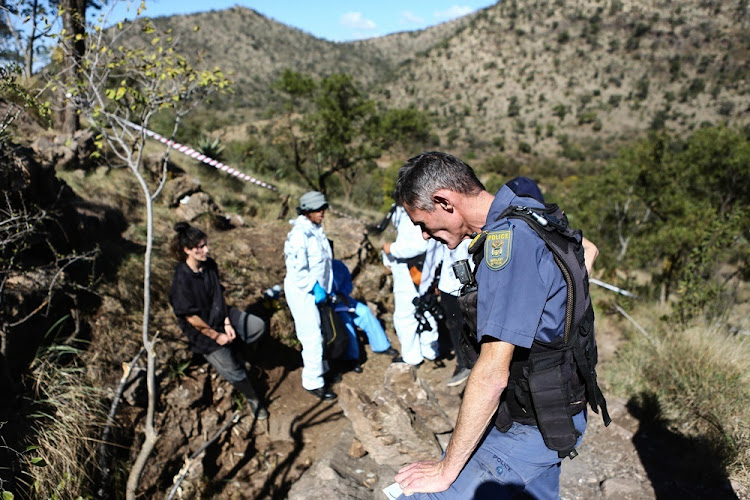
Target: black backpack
(335, 336)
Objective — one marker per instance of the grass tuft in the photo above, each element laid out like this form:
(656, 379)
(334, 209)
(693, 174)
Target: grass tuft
(700, 386)
(66, 412)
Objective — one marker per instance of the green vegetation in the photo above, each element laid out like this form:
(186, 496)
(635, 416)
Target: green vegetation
(665, 198)
(337, 140)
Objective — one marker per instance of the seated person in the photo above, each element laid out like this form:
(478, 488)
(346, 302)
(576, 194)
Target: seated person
(356, 313)
(198, 302)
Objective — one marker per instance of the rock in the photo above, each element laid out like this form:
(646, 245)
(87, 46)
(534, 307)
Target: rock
(154, 165)
(178, 188)
(388, 430)
(336, 474)
(236, 220)
(66, 152)
(356, 450)
(190, 393)
(193, 206)
(136, 391)
(402, 381)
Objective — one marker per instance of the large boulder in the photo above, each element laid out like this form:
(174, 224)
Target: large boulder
(338, 474)
(178, 188)
(396, 429)
(193, 206)
(66, 152)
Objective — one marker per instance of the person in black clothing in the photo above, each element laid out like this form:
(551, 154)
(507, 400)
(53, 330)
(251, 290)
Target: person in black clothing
(211, 327)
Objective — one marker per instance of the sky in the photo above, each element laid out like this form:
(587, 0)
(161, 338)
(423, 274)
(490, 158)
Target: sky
(334, 20)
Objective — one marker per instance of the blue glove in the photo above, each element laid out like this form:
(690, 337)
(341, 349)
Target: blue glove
(319, 292)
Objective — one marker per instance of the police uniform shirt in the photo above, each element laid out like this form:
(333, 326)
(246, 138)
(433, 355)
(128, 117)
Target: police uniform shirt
(198, 294)
(522, 292)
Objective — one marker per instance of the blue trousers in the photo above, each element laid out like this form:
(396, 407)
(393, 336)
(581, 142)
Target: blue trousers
(507, 465)
(363, 318)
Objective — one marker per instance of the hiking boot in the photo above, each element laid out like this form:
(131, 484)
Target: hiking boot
(459, 376)
(324, 393)
(389, 352)
(257, 409)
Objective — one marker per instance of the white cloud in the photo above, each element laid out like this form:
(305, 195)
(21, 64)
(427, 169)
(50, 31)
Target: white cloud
(355, 20)
(408, 17)
(453, 12)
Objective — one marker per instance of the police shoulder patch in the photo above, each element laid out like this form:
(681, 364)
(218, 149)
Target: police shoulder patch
(497, 249)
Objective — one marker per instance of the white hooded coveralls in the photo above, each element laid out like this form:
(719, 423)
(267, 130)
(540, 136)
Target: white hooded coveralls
(409, 243)
(308, 258)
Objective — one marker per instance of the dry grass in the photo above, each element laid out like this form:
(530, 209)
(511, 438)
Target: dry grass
(699, 377)
(66, 412)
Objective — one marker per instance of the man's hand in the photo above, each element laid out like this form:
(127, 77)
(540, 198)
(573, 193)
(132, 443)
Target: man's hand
(319, 293)
(424, 477)
(488, 379)
(387, 247)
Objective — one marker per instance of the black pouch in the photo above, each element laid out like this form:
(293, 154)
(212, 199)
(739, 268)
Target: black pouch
(335, 336)
(551, 398)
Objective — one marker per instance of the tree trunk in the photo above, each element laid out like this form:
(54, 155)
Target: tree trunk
(74, 43)
(150, 432)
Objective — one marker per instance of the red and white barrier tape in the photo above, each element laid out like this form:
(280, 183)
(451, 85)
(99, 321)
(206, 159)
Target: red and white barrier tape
(196, 155)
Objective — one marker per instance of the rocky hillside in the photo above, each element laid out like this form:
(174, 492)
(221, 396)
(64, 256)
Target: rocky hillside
(531, 76)
(255, 50)
(533, 71)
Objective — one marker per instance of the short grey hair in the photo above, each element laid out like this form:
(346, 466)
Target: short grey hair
(424, 174)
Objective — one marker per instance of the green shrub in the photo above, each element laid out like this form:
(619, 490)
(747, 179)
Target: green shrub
(587, 117)
(560, 110)
(514, 108)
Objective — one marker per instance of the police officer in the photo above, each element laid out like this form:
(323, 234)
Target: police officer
(521, 301)
(308, 282)
(415, 347)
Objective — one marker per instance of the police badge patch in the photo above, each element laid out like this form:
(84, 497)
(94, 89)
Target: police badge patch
(497, 248)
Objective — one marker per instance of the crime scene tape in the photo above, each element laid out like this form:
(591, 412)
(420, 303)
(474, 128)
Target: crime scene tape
(612, 288)
(196, 155)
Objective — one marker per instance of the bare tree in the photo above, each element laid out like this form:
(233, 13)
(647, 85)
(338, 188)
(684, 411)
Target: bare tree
(119, 91)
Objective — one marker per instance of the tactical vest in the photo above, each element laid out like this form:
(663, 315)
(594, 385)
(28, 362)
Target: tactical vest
(552, 381)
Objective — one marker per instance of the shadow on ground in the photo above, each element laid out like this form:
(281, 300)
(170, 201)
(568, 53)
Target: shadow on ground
(677, 466)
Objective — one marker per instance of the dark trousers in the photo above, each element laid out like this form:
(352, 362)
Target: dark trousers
(454, 322)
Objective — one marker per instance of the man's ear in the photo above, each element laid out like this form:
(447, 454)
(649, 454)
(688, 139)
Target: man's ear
(444, 199)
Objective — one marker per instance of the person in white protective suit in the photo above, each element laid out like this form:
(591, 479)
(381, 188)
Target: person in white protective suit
(415, 346)
(308, 281)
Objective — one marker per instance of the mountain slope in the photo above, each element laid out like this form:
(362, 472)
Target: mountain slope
(540, 76)
(255, 50)
(531, 71)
